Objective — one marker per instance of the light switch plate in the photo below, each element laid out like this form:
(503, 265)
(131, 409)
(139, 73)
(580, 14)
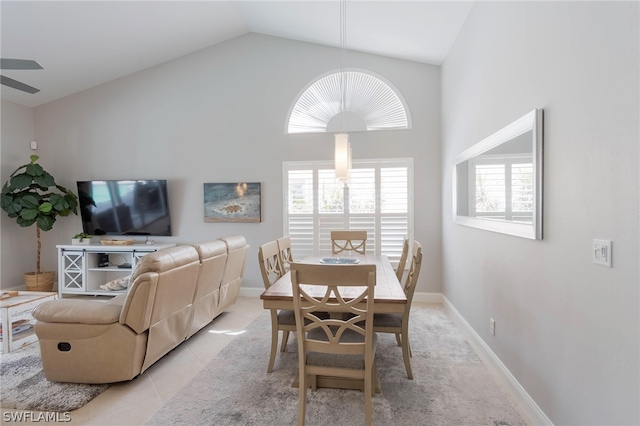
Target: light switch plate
(602, 252)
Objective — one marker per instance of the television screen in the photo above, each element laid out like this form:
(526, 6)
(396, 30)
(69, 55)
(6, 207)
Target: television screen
(124, 207)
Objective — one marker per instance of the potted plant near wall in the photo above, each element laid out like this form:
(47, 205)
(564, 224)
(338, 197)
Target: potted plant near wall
(81, 238)
(31, 196)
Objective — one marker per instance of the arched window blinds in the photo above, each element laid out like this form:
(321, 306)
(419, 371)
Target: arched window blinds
(368, 97)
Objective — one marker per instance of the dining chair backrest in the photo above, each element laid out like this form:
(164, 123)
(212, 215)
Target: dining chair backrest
(397, 323)
(348, 240)
(284, 248)
(403, 259)
(411, 280)
(335, 345)
(270, 266)
(271, 269)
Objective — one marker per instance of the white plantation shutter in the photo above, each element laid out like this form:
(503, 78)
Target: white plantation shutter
(378, 104)
(490, 190)
(522, 191)
(395, 202)
(503, 188)
(377, 199)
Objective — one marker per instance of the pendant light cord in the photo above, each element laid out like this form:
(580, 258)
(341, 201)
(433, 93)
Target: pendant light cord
(343, 56)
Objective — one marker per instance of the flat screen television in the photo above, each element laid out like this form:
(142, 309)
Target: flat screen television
(124, 207)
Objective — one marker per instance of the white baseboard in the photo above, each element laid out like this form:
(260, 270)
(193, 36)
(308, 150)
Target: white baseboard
(20, 288)
(427, 297)
(528, 406)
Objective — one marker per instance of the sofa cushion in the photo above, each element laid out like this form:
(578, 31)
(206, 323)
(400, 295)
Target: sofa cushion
(164, 260)
(211, 248)
(77, 311)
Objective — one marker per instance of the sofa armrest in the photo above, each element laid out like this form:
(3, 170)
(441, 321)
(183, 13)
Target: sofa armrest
(138, 305)
(77, 311)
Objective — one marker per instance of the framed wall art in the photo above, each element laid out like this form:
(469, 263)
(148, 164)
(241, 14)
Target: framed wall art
(232, 202)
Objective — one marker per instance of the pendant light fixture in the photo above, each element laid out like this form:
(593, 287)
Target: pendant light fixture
(342, 161)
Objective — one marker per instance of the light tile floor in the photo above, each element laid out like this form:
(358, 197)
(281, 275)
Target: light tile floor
(134, 402)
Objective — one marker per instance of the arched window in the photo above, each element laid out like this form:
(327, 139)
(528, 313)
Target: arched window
(370, 104)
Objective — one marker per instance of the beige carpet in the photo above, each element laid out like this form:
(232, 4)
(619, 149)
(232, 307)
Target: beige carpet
(451, 385)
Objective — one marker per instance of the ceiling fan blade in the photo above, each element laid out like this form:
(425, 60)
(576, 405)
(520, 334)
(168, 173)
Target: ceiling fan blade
(17, 85)
(19, 64)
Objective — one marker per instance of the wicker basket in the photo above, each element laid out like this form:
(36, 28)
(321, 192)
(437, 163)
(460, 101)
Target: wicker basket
(39, 282)
(116, 242)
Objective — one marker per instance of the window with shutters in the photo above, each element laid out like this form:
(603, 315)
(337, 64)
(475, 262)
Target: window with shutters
(374, 104)
(503, 188)
(377, 199)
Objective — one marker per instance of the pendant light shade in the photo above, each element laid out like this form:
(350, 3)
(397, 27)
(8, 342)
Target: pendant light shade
(342, 156)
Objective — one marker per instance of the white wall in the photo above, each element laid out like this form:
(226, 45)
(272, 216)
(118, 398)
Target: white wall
(567, 329)
(219, 115)
(17, 245)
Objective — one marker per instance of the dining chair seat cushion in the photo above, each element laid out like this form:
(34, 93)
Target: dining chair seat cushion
(286, 317)
(387, 320)
(353, 362)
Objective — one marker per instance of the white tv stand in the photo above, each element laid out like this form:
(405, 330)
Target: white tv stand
(82, 269)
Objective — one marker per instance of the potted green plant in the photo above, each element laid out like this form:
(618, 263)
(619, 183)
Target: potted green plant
(31, 196)
(81, 238)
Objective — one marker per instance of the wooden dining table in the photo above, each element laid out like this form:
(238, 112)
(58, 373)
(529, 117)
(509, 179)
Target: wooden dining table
(389, 297)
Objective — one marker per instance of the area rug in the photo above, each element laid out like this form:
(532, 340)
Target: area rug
(451, 384)
(24, 387)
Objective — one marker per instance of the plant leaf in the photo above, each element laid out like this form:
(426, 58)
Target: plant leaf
(46, 222)
(5, 201)
(21, 181)
(45, 207)
(29, 214)
(24, 223)
(45, 180)
(58, 202)
(34, 169)
(13, 209)
(30, 201)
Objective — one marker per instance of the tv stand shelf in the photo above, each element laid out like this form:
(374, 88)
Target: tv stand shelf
(82, 269)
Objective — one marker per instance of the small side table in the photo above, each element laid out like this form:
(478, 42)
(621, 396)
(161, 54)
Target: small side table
(17, 322)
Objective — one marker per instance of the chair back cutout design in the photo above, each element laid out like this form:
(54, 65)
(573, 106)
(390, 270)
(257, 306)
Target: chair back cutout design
(269, 260)
(348, 240)
(286, 256)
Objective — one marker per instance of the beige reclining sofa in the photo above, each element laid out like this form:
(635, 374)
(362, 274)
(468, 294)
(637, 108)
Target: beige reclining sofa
(173, 293)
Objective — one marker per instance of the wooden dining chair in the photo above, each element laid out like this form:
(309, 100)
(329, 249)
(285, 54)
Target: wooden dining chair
(284, 248)
(336, 346)
(271, 269)
(348, 240)
(403, 259)
(398, 324)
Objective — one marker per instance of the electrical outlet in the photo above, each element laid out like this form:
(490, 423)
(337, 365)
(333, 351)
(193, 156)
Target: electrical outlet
(602, 252)
(492, 326)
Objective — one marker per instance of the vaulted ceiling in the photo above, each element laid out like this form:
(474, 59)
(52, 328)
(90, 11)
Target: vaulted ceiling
(81, 44)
